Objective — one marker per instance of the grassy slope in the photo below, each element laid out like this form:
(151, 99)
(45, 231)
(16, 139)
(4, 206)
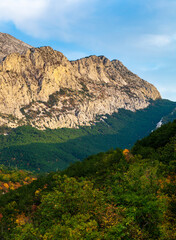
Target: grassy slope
(29, 148)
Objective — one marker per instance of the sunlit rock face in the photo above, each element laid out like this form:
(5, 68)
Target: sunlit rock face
(41, 87)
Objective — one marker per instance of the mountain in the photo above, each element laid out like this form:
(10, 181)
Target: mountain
(47, 150)
(54, 112)
(9, 44)
(41, 87)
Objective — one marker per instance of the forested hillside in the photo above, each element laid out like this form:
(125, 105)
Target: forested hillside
(11, 179)
(119, 194)
(44, 151)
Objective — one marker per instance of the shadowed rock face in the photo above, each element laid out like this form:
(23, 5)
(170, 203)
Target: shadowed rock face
(9, 44)
(43, 88)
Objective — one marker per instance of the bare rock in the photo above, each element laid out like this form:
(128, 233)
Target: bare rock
(43, 88)
(9, 44)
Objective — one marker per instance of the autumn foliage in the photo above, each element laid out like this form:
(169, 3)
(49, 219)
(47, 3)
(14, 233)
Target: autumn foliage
(117, 195)
(11, 179)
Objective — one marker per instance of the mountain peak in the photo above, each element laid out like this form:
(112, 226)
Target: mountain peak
(41, 87)
(9, 44)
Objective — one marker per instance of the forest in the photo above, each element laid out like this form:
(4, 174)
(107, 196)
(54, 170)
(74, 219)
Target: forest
(119, 194)
(28, 148)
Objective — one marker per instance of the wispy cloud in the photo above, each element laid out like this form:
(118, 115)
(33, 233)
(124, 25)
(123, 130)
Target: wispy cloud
(157, 40)
(150, 68)
(44, 18)
(21, 10)
(24, 14)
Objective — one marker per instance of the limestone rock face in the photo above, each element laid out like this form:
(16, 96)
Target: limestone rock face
(43, 88)
(9, 44)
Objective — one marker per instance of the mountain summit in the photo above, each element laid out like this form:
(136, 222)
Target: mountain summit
(9, 44)
(41, 87)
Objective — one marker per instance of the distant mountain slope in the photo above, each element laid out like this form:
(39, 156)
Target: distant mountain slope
(156, 139)
(29, 148)
(9, 44)
(41, 87)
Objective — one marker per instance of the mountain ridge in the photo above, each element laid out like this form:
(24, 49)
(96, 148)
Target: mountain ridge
(41, 87)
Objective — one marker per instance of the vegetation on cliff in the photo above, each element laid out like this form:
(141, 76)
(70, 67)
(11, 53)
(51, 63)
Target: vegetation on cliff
(44, 151)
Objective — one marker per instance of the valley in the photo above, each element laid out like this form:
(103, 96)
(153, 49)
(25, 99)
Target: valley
(87, 149)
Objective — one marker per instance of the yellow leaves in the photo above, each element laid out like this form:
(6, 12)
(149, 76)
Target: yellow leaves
(37, 192)
(126, 151)
(6, 185)
(6, 177)
(22, 219)
(27, 179)
(12, 179)
(12, 187)
(127, 154)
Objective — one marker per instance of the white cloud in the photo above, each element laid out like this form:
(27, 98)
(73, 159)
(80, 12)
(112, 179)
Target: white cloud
(156, 41)
(25, 14)
(21, 10)
(43, 18)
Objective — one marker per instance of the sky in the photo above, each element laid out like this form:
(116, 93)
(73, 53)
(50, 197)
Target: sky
(140, 33)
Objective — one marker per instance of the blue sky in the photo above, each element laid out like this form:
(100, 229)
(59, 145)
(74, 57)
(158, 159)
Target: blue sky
(140, 33)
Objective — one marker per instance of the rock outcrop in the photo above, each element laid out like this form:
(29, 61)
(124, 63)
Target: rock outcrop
(9, 44)
(43, 88)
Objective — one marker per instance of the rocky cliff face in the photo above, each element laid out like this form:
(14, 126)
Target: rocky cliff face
(9, 44)
(43, 88)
